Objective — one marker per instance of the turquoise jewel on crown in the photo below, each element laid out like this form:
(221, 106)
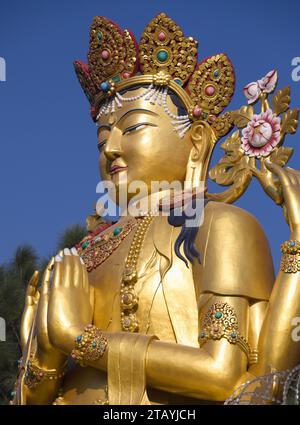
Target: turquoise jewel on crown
(162, 56)
(218, 315)
(94, 344)
(202, 334)
(292, 243)
(105, 86)
(79, 338)
(99, 36)
(233, 335)
(116, 79)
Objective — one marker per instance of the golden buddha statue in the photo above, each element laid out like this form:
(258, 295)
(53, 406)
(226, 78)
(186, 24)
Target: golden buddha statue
(149, 310)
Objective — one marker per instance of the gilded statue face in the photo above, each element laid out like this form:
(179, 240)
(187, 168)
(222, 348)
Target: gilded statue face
(138, 142)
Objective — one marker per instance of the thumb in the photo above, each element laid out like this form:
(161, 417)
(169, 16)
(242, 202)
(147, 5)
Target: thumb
(279, 171)
(32, 285)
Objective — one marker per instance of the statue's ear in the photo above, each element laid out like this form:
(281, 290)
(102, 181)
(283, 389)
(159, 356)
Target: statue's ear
(203, 140)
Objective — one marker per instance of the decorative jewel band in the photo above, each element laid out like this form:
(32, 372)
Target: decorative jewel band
(290, 247)
(95, 249)
(220, 321)
(34, 375)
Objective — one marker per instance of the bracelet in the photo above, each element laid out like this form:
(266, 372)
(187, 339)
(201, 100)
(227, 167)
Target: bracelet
(34, 374)
(220, 321)
(89, 346)
(290, 247)
(290, 260)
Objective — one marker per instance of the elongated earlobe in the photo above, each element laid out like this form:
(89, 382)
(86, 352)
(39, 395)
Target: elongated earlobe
(203, 140)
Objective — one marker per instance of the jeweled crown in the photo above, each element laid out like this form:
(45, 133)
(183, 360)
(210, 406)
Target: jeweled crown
(164, 58)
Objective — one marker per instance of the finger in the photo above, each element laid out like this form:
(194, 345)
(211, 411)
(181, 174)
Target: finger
(71, 272)
(36, 297)
(92, 297)
(57, 273)
(74, 251)
(84, 274)
(77, 272)
(32, 285)
(279, 171)
(294, 175)
(47, 278)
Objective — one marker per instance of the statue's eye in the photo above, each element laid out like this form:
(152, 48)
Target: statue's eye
(136, 127)
(101, 144)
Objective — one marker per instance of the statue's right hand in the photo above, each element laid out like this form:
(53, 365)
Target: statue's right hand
(31, 302)
(47, 354)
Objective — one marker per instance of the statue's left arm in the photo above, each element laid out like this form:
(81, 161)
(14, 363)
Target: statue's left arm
(279, 350)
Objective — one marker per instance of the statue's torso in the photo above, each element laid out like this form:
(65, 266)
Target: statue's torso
(170, 302)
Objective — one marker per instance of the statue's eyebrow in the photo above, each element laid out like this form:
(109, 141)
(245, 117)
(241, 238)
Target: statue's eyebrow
(136, 110)
(101, 127)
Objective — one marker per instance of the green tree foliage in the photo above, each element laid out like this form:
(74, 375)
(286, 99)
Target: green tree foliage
(14, 278)
(71, 236)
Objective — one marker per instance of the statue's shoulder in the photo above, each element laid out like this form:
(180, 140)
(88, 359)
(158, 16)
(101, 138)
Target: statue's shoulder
(231, 214)
(235, 252)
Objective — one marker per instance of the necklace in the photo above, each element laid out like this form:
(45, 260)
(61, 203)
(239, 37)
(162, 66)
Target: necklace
(96, 248)
(128, 296)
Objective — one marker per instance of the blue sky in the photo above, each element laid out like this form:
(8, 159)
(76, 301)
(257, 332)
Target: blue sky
(48, 160)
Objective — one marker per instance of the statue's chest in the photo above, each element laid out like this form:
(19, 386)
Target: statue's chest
(143, 287)
(125, 277)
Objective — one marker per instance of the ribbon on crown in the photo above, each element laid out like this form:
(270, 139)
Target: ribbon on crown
(164, 59)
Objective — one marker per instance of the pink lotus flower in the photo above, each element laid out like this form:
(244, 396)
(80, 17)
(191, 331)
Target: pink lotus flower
(261, 135)
(265, 85)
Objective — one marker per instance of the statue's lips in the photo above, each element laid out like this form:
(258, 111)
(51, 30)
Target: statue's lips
(116, 169)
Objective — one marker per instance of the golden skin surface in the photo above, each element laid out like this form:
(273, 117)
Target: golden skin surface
(236, 268)
(142, 139)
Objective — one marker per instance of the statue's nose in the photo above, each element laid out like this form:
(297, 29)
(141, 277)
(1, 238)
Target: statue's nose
(113, 148)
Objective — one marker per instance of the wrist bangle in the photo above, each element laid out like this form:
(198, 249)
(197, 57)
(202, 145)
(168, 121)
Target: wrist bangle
(290, 260)
(290, 247)
(34, 374)
(89, 346)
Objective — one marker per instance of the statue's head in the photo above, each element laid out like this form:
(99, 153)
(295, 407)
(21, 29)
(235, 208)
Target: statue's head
(157, 112)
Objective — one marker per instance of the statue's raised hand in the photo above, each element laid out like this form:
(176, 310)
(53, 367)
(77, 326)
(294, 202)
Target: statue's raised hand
(31, 302)
(71, 300)
(47, 354)
(290, 182)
